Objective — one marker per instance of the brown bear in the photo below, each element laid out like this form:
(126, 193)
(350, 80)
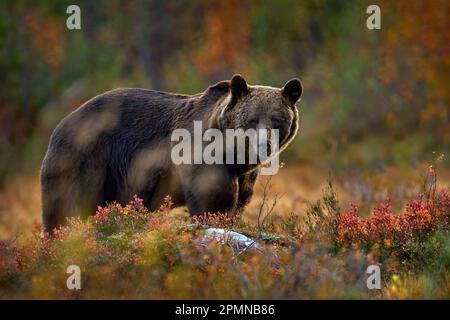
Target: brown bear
(119, 144)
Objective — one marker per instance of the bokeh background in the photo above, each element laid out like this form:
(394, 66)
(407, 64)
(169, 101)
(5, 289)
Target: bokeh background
(375, 112)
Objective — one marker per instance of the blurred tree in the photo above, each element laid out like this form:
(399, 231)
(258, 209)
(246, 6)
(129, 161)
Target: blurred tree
(358, 83)
(416, 62)
(225, 38)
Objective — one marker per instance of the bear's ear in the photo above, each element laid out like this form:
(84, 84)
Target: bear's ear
(292, 90)
(238, 87)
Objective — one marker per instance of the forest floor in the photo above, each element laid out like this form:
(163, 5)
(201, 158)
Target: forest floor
(309, 239)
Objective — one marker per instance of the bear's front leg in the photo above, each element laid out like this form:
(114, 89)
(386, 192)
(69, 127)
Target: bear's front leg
(210, 188)
(246, 185)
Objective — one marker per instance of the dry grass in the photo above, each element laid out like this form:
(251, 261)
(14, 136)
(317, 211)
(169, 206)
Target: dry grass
(20, 205)
(20, 202)
(298, 186)
(130, 252)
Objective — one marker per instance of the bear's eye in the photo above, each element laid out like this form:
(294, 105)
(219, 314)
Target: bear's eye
(253, 123)
(276, 123)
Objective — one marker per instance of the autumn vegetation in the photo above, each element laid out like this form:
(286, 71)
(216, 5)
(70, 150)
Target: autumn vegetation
(129, 252)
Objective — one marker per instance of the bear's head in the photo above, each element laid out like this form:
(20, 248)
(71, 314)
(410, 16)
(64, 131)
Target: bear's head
(261, 107)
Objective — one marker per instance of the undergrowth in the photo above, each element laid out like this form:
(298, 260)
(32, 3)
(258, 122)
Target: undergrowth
(130, 252)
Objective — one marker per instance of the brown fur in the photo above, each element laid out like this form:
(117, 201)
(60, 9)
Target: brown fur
(118, 144)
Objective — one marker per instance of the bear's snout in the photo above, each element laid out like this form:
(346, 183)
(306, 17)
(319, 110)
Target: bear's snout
(264, 149)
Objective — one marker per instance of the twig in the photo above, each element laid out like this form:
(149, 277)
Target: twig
(269, 210)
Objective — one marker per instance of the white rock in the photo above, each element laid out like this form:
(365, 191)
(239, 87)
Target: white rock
(231, 236)
(236, 240)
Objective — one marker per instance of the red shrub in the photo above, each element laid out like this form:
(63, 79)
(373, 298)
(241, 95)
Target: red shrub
(218, 220)
(420, 218)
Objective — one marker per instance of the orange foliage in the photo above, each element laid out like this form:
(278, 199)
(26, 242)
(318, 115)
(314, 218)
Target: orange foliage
(419, 38)
(226, 35)
(47, 37)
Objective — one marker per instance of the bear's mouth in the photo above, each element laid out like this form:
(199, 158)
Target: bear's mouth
(263, 150)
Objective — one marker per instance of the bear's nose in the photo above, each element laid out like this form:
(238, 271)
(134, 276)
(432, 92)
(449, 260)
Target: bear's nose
(264, 149)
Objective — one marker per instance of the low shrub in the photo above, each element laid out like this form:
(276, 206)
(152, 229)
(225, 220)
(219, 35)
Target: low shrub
(130, 252)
